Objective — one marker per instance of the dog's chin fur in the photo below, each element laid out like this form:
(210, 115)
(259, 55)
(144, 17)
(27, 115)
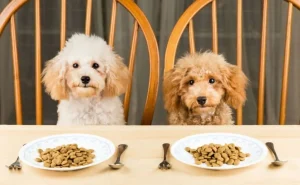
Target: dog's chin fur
(95, 102)
(220, 115)
(84, 92)
(196, 111)
(228, 89)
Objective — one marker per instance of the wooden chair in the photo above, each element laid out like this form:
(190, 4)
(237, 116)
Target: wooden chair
(141, 22)
(186, 20)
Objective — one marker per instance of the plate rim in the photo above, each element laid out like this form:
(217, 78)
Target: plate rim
(260, 143)
(28, 144)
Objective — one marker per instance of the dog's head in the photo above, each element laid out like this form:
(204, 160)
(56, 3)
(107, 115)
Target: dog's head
(200, 81)
(85, 67)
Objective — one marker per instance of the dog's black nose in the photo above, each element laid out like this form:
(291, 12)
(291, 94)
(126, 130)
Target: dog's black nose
(85, 79)
(201, 100)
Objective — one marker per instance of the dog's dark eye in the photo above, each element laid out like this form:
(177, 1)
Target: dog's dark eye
(95, 66)
(211, 81)
(191, 82)
(75, 65)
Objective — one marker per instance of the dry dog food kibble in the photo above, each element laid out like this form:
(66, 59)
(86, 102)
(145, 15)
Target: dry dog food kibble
(65, 156)
(215, 155)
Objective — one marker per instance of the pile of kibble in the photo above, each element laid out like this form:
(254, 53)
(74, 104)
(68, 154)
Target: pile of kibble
(65, 156)
(215, 155)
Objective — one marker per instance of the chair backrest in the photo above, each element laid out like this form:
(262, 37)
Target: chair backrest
(186, 20)
(140, 22)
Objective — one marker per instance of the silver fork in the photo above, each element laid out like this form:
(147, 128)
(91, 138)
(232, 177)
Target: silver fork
(165, 164)
(15, 165)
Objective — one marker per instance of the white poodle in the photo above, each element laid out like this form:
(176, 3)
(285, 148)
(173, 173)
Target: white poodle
(87, 77)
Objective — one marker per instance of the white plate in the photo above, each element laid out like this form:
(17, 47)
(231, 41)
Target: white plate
(103, 149)
(257, 149)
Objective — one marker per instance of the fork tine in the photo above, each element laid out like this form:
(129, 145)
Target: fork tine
(9, 167)
(18, 167)
(160, 165)
(169, 165)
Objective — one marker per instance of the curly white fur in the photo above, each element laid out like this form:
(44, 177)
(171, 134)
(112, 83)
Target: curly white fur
(92, 102)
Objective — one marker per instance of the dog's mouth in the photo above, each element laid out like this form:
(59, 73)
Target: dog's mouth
(205, 106)
(82, 90)
(85, 86)
(199, 110)
(202, 108)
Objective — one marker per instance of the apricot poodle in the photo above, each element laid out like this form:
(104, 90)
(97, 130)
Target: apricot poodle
(200, 89)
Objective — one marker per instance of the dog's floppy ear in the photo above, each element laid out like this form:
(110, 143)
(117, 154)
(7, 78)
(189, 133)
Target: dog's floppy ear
(235, 83)
(54, 79)
(171, 85)
(117, 78)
